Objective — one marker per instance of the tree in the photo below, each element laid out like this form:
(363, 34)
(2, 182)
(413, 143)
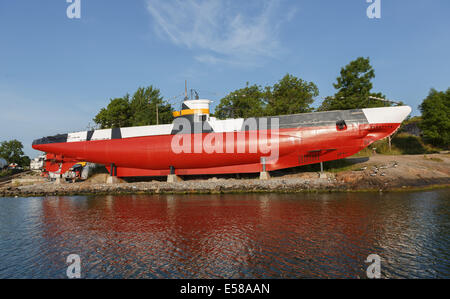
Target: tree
(12, 151)
(116, 115)
(139, 111)
(291, 95)
(353, 88)
(25, 161)
(145, 103)
(435, 123)
(242, 103)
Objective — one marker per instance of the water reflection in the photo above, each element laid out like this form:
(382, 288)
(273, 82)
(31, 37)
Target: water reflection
(227, 236)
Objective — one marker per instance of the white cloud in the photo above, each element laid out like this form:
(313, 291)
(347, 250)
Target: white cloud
(237, 33)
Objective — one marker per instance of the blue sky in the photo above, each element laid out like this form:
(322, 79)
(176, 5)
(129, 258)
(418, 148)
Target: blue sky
(56, 73)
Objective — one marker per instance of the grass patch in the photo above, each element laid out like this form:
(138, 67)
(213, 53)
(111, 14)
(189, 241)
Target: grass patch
(5, 172)
(410, 144)
(434, 159)
(401, 144)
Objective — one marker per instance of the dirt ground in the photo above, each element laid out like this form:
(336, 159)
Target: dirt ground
(394, 171)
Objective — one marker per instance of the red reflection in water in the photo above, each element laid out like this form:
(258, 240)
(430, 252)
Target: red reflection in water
(228, 236)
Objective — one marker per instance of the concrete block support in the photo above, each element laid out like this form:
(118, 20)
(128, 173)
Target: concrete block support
(264, 175)
(173, 178)
(60, 180)
(113, 180)
(322, 175)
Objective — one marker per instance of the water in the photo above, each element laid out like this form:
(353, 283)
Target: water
(227, 236)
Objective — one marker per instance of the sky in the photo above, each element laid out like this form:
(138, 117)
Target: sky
(56, 73)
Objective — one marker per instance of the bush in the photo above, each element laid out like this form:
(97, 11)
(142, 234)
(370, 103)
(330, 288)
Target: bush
(436, 118)
(5, 172)
(409, 144)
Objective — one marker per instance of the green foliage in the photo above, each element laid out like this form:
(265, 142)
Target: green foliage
(242, 103)
(12, 151)
(435, 123)
(401, 144)
(412, 120)
(6, 172)
(143, 107)
(409, 144)
(289, 96)
(25, 161)
(139, 111)
(354, 88)
(411, 126)
(116, 115)
(373, 103)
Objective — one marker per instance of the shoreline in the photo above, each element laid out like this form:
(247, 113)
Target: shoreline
(122, 191)
(378, 173)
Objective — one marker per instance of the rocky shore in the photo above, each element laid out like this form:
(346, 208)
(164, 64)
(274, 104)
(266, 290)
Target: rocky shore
(377, 173)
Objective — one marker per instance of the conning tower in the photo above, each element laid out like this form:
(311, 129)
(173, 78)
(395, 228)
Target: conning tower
(196, 110)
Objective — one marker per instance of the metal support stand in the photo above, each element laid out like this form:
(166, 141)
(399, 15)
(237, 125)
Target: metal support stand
(113, 171)
(390, 143)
